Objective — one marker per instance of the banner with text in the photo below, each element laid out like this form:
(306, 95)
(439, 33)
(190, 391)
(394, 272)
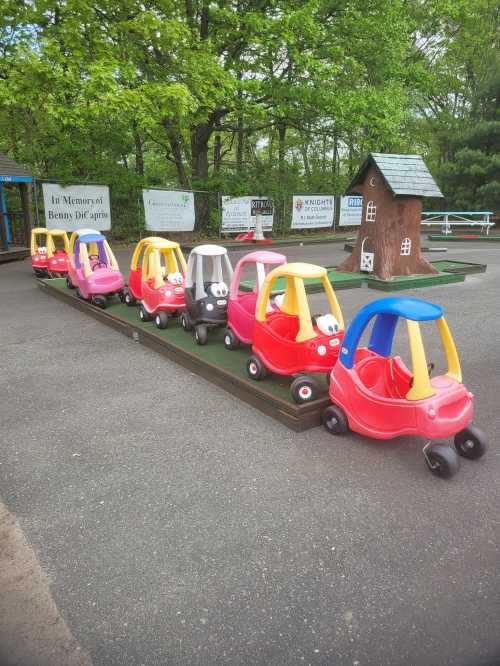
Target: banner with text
(237, 214)
(76, 206)
(313, 211)
(167, 210)
(350, 211)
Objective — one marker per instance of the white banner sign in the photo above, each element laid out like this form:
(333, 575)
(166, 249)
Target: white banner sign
(237, 215)
(313, 211)
(168, 210)
(350, 211)
(76, 206)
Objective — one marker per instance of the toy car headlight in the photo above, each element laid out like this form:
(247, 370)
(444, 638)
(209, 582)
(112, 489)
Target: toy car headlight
(174, 278)
(328, 324)
(219, 289)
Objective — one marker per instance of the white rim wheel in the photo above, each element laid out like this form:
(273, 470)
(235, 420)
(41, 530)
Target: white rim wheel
(253, 368)
(158, 320)
(227, 340)
(305, 392)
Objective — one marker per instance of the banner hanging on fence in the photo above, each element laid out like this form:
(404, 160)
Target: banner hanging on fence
(76, 206)
(238, 213)
(313, 211)
(167, 210)
(350, 211)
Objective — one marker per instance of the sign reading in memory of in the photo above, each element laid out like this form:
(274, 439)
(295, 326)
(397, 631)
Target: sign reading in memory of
(238, 213)
(166, 210)
(313, 211)
(76, 206)
(350, 211)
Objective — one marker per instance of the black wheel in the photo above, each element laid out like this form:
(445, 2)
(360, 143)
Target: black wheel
(304, 389)
(201, 334)
(186, 321)
(230, 340)
(161, 320)
(471, 443)
(99, 301)
(335, 421)
(255, 368)
(69, 284)
(144, 314)
(328, 376)
(442, 461)
(79, 294)
(128, 299)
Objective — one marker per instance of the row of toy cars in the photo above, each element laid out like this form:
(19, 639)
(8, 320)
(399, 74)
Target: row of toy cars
(372, 391)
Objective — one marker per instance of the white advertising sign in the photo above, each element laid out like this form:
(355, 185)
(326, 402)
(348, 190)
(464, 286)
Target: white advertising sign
(168, 210)
(76, 206)
(313, 211)
(350, 211)
(237, 215)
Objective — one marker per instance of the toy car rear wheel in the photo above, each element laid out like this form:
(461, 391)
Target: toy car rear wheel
(69, 284)
(128, 299)
(255, 368)
(144, 314)
(99, 301)
(470, 443)
(335, 421)
(230, 340)
(161, 320)
(186, 321)
(442, 461)
(304, 389)
(201, 334)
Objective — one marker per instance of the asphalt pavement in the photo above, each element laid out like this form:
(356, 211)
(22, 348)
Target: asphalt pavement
(177, 525)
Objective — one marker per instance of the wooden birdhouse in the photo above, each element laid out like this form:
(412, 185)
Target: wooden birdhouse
(388, 243)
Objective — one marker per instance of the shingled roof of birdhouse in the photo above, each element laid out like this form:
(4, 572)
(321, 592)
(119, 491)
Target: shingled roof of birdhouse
(404, 175)
(10, 168)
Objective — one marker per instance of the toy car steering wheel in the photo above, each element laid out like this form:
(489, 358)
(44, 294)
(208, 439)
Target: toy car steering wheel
(430, 368)
(98, 264)
(93, 256)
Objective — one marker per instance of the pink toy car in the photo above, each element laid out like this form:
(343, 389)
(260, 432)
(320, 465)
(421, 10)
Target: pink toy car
(97, 275)
(241, 307)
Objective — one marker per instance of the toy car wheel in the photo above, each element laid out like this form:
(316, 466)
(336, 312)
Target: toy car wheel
(230, 340)
(69, 284)
(186, 321)
(99, 301)
(335, 421)
(201, 334)
(470, 443)
(161, 320)
(255, 368)
(144, 314)
(328, 377)
(128, 299)
(304, 389)
(79, 294)
(442, 461)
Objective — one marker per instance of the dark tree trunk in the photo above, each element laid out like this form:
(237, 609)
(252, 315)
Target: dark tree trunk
(217, 153)
(175, 142)
(396, 219)
(139, 152)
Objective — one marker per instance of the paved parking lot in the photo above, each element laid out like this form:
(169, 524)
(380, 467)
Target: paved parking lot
(177, 525)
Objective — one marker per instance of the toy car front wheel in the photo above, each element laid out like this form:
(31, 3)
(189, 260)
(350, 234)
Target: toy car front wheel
(442, 461)
(186, 321)
(161, 320)
(230, 340)
(255, 368)
(201, 334)
(99, 301)
(69, 284)
(128, 299)
(304, 389)
(470, 443)
(144, 314)
(335, 421)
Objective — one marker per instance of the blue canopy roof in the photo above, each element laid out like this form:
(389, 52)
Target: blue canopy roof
(91, 238)
(387, 311)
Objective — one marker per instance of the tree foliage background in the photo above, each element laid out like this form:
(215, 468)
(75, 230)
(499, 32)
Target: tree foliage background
(250, 96)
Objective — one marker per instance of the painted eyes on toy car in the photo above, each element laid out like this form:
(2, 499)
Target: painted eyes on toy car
(327, 324)
(174, 278)
(219, 289)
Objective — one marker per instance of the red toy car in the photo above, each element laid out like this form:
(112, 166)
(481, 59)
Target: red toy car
(133, 291)
(376, 395)
(286, 340)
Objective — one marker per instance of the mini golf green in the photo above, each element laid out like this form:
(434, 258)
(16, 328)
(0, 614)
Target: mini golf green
(464, 238)
(463, 267)
(338, 279)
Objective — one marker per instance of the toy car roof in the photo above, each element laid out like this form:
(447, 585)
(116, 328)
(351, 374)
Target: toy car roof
(91, 238)
(56, 232)
(387, 311)
(40, 230)
(299, 270)
(209, 250)
(162, 244)
(263, 257)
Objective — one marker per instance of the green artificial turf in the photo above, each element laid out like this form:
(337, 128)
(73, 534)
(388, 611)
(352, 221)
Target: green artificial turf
(214, 351)
(463, 267)
(400, 282)
(464, 238)
(338, 279)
